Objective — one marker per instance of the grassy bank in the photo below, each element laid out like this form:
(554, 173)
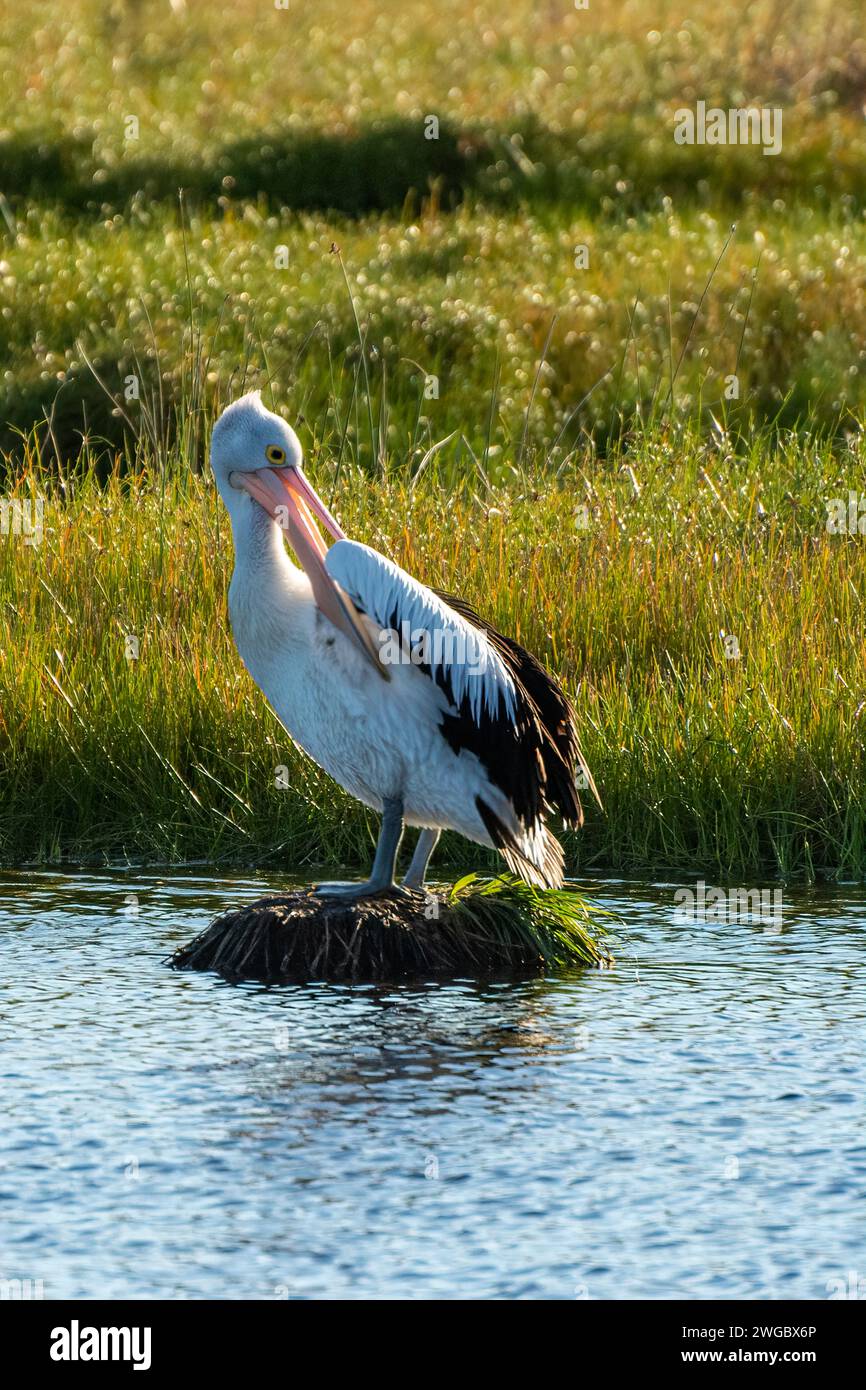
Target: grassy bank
(543, 370)
(290, 130)
(709, 627)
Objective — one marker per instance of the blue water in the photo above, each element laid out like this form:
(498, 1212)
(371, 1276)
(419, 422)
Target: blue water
(689, 1124)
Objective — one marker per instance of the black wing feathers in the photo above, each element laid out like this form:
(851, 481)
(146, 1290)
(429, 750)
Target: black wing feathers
(546, 732)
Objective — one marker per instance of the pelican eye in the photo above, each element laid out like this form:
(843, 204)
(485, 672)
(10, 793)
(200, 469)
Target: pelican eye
(274, 454)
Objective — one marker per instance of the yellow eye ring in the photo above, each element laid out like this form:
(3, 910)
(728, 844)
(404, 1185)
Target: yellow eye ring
(274, 454)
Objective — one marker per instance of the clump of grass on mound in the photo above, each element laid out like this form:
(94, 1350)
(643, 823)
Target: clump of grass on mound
(559, 926)
(479, 927)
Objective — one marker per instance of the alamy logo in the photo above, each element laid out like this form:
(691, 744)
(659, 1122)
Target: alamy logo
(705, 903)
(21, 1289)
(740, 125)
(847, 518)
(77, 1343)
(854, 1286)
(22, 516)
(421, 646)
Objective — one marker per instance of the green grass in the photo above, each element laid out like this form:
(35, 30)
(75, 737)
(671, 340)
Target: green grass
(563, 928)
(621, 574)
(296, 129)
(581, 474)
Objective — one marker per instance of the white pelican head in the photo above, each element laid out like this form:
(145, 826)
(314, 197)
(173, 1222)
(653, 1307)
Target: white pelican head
(256, 460)
(255, 454)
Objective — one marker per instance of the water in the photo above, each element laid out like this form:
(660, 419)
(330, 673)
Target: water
(689, 1124)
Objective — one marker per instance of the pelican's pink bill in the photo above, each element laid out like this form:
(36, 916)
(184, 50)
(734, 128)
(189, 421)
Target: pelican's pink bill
(290, 500)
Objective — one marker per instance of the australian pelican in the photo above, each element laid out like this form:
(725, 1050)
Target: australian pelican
(409, 699)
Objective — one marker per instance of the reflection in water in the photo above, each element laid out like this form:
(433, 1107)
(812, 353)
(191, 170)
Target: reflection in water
(688, 1124)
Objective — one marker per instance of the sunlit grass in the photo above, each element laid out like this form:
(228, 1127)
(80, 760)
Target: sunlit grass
(626, 576)
(471, 299)
(563, 445)
(301, 127)
(562, 928)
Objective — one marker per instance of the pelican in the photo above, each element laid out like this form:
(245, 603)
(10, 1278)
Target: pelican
(404, 695)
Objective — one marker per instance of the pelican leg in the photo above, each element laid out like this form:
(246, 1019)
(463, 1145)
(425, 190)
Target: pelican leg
(381, 878)
(427, 842)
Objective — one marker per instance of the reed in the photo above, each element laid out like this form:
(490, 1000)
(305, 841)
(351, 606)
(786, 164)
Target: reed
(708, 626)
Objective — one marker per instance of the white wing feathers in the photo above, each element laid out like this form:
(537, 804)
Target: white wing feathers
(458, 656)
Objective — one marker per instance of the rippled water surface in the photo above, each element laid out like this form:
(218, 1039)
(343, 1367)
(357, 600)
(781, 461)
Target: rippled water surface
(689, 1124)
